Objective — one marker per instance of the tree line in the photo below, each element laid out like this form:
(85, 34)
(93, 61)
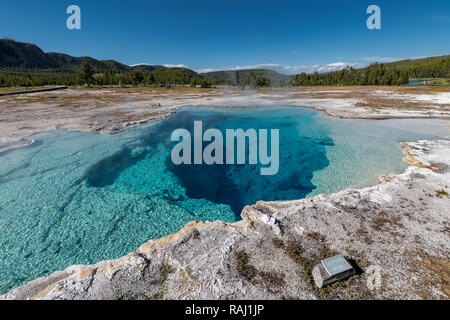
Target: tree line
(87, 75)
(434, 67)
(375, 74)
(396, 73)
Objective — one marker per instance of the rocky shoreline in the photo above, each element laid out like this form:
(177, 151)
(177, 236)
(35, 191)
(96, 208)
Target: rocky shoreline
(396, 233)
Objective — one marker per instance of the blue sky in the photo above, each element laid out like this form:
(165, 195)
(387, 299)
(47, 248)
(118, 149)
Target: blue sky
(288, 36)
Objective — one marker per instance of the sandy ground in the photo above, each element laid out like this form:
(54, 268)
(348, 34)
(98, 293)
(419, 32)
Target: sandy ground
(111, 109)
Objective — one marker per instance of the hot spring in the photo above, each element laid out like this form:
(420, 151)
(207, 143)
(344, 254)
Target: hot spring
(79, 198)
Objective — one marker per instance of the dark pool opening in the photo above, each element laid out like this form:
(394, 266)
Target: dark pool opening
(301, 153)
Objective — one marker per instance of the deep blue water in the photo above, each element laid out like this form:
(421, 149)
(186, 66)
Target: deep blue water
(78, 198)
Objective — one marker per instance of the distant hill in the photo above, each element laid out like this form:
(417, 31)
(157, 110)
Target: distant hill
(65, 61)
(419, 61)
(26, 64)
(20, 55)
(14, 54)
(249, 77)
(162, 69)
(147, 68)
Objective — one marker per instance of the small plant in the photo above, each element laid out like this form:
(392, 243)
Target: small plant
(245, 269)
(379, 222)
(316, 236)
(278, 243)
(441, 193)
(166, 268)
(294, 251)
(272, 279)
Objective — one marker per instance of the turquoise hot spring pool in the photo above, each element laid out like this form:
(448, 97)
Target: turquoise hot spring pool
(79, 198)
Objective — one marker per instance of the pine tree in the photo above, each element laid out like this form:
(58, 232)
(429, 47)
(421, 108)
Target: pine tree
(136, 77)
(86, 73)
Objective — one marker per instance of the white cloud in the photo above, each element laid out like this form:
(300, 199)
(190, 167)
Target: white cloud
(168, 65)
(208, 70)
(181, 65)
(139, 64)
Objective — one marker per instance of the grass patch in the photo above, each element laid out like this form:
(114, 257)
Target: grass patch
(164, 270)
(441, 269)
(316, 236)
(364, 235)
(277, 242)
(245, 269)
(295, 252)
(272, 279)
(379, 222)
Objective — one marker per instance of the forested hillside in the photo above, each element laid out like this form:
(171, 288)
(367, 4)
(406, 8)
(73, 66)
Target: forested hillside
(395, 73)
(23, 64)
(432, 67)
